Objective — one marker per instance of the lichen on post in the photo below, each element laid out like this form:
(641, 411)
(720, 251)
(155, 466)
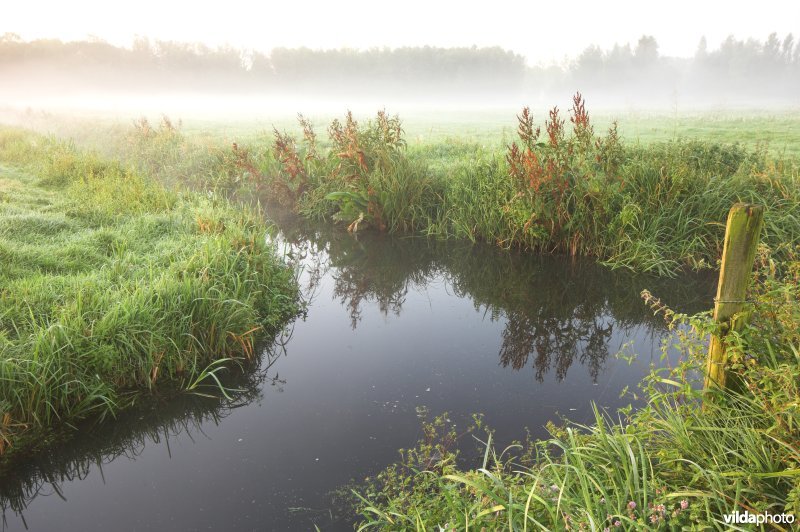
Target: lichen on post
(738, 255)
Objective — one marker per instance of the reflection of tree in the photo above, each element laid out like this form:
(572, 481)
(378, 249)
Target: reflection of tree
(368, 273)
(555, 310)
(153, 420)
(370, 268)
(586, 340)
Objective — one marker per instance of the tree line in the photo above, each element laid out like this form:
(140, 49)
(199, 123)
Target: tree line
(738, 69)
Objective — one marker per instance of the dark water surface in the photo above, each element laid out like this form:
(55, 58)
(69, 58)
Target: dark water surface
(393, 324)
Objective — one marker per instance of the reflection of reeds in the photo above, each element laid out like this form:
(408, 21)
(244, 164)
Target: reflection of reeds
(155, 420)
(557, 311)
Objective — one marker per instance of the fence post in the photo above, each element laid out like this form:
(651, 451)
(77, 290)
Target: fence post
(738, 255)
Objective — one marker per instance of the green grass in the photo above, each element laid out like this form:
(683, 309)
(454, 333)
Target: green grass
(778, 129)
(111, 284)
(659, 208)
(655, 208)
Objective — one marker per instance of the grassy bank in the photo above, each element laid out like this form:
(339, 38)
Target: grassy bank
(559, 187)
(671, 465)
(111, 284)
(565, 184)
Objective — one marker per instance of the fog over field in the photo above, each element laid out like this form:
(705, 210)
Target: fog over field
(190, 77)
(202, 60)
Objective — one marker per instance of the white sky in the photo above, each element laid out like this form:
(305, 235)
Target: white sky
(543, 31)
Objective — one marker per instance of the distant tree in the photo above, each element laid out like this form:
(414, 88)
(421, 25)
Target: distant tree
(589, 68)
(736, 69)
(646, 52)
(10, 37)
(786, 48)
(702, 49)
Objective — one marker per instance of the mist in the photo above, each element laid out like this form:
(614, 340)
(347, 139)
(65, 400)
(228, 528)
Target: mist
(193, 79)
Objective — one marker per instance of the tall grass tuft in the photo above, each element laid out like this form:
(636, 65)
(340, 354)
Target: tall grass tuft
(365, 178)
(112, 284)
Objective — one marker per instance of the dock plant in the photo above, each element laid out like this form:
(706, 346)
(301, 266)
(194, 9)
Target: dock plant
(560, 188)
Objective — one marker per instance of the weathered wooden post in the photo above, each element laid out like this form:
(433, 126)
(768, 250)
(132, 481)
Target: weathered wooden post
(738, 255)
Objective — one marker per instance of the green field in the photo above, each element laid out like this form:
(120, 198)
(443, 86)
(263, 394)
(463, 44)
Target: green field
(779, 129)
(656, 205)
(654, 202)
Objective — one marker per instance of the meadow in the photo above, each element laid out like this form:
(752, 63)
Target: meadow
(643, 191)
(137, 262)
(491, 127)
(652, 203)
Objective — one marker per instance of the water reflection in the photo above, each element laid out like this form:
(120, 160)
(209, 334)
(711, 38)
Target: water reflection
(155, 420)
(552, 317)
(393, 324)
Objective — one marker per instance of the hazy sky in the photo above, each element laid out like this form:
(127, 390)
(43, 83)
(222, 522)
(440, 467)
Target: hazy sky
(542, 31)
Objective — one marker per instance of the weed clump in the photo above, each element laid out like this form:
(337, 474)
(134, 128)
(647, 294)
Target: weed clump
(364, 179)
(560, 181)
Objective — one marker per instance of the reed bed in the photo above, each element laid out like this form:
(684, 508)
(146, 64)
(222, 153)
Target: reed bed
(561, 188)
